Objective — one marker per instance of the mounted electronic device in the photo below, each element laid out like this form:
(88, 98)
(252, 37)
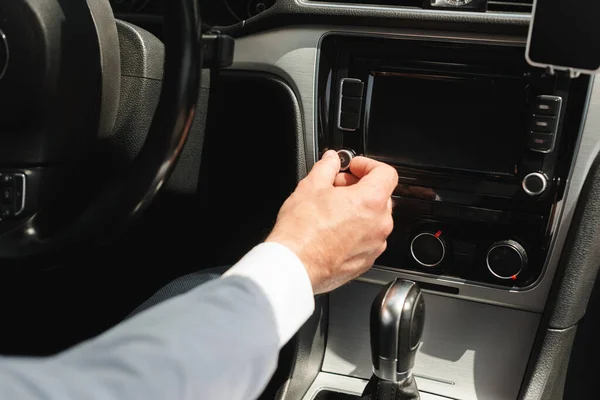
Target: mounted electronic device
(565, 36)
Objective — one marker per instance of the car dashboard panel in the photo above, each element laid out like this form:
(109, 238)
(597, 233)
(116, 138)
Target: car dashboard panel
(492, 156)
(213, 12)
(481, 324)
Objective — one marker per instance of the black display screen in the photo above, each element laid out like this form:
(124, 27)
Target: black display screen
(566, 33)
(471, 124)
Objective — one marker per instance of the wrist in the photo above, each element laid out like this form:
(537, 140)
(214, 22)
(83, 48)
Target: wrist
(293, 246)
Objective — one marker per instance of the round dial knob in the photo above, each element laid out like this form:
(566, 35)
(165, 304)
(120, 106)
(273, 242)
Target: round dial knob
(346, 156)
(428, 249)
(535, 183)
(506, 259)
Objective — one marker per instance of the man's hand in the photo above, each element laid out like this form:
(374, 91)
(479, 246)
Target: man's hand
(338, 223)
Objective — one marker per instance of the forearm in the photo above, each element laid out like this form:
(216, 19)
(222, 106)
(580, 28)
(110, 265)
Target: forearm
(219, 341)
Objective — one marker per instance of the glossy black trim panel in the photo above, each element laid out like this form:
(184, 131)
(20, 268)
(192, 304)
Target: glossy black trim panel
(302, 12)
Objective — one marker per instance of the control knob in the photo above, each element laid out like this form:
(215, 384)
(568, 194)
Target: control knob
(346, 155)
(535, 183)
(506, 259)
(428, 249)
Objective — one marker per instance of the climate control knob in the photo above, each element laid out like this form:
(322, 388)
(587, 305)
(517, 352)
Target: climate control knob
(506, 259)
(428, 249)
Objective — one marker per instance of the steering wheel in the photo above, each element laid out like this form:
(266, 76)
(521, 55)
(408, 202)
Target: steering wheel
(59, 95)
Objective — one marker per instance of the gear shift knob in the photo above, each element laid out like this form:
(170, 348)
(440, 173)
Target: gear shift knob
(397, 318)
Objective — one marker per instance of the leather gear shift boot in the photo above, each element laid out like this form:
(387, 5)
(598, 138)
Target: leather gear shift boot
(378, 389)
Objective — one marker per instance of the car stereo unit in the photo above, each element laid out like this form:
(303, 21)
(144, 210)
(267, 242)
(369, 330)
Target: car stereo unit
(480, 139)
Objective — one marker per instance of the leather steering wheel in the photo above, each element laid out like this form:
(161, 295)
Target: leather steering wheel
(59, 92)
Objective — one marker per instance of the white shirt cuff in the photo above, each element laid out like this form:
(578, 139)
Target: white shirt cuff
(284, 280)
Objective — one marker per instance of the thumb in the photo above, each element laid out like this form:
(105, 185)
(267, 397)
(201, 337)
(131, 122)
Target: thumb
(324, 172)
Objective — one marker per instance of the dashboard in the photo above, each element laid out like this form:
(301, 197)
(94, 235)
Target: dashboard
(492, 156)
(132, 5)
(375, 90)
(214, 12)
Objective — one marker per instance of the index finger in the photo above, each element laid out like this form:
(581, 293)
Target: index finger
(375, 173)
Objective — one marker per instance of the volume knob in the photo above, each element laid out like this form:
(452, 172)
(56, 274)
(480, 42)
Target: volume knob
(535, 183)
(346, 156)
(506, 259)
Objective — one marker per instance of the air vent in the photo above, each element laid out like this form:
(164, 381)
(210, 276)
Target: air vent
(519, 6)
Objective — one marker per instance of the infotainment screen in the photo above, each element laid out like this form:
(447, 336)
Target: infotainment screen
(470, 123)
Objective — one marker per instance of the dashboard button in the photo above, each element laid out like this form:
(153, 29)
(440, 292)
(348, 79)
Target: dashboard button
(494, 216)
(541, 142)
(352, 87)
(470, 214)
(463, 256)
(543, 124)
(351, 105)
(349, 122)
(548, 105)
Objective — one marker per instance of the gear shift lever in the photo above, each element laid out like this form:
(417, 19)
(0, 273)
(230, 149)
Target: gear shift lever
(397, 318)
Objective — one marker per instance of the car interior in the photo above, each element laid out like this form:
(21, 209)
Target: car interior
(142, 140)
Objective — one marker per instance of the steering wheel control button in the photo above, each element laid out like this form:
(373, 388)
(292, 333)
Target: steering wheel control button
(8, 195)
(346, 157)
(506, 259)
(535, 183)
(428, 249)
(6, 212)
(12, 187)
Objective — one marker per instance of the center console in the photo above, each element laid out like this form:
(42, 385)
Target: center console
(492, 157)
(481, 141)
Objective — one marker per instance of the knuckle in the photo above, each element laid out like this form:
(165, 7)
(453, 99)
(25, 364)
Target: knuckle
(392, 174)
(370, 200)
(387, 226)
(373, 200)
(392, 171)
(382, 248)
